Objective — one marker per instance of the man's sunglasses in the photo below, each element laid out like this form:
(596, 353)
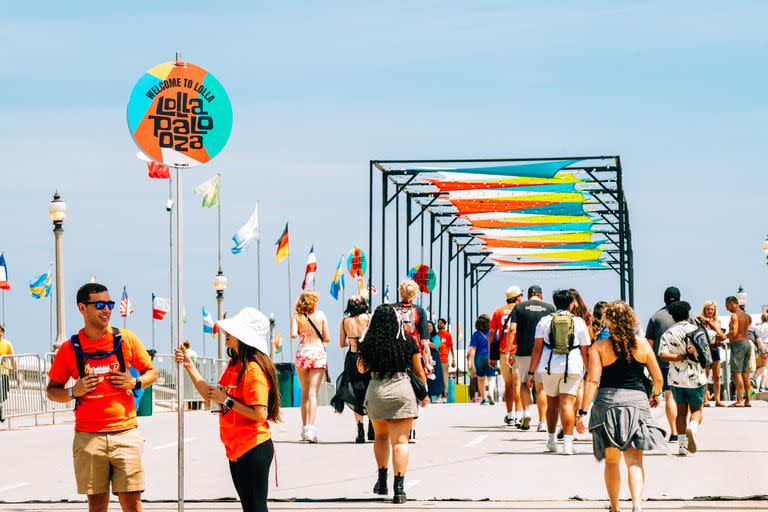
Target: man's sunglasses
(101, 304)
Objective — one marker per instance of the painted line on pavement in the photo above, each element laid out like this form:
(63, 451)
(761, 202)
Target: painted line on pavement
(14, 486)
(476, 441)
(171, 445)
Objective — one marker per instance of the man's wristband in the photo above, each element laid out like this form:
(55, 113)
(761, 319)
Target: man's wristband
(581, 412)
(229, 402)
(531, 373)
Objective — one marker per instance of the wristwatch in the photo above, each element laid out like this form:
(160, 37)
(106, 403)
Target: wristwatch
(229, 402)
(69, 393)
(581, 412)
(137, 386)
(531, 373)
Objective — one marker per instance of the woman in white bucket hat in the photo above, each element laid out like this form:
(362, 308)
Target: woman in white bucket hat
(249, 399)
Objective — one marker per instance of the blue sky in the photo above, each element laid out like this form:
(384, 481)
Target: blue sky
(320, 88)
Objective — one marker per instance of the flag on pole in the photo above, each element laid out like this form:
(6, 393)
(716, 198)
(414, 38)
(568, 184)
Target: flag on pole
(126, 309)
(338, 279)
(210, 191)
(209, 326)
(4, 284)
(386, 294)
(40, 287)
(247, 233)
(154, 169)
(309, 273)
(373, 289)
(283, 249)
(278, 343)
(160, 307)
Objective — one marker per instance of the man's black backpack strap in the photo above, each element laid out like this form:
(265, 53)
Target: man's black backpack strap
(117, 341)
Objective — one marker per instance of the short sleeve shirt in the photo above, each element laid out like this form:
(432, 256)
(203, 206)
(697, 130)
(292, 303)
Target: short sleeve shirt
(682, 374)
(106, 408)
(479, 340)
(497, 323)
(6, 349)
(526, 316)
(557, 363)
(445, 346)
(238, 432)
(658, 324)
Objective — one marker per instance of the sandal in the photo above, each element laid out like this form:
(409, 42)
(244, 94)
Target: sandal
(736, 404)
(706, 404)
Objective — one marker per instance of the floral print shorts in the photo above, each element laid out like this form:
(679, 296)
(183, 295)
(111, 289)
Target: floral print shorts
(311, 355)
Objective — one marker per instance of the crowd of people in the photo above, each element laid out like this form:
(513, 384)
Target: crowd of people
(561, 358)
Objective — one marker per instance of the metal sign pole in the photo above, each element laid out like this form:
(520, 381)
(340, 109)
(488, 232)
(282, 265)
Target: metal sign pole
(180, 333)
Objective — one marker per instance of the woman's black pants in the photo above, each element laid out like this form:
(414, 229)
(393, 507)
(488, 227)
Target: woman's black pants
(250, 474)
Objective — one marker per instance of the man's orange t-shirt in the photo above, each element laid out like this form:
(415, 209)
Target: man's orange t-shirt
(106, 408)
(497, 322)
(446, 342)
(239, 433)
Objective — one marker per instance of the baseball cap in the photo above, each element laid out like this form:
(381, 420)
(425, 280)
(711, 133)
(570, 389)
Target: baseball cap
(514, 291)
(534, 290)
(671, 294)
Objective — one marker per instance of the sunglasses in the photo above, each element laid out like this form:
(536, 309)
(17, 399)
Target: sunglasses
(101, 304)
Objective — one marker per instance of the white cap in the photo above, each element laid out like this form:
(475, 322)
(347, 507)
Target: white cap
(514, 291)
(250, 326)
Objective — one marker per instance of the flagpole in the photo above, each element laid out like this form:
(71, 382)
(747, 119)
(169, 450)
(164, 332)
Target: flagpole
(4, 326)
(169, 208)
(218, 208)
(179, 333)
(258, 254)
(152, 312)
(50, 318)
(290, 309)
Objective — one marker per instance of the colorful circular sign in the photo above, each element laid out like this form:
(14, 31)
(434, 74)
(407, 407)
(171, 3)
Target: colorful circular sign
(357, 263)
(179, 115)
(424, 276)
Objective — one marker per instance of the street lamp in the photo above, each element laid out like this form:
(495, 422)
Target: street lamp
(220, 284)
(57, 211)
(741, 298)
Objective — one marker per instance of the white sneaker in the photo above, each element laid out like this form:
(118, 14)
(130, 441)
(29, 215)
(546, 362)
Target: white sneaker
(691, 437)
(542, 426)
(682, 450)
(304, 436)
(311, 434)
(552, 446)
(567, 449)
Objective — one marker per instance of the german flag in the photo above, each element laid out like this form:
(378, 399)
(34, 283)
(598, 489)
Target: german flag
(283, 250)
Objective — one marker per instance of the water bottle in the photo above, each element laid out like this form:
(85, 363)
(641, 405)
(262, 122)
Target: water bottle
(215, 406)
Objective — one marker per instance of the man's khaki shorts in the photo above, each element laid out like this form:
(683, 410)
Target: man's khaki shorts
(556, 384)
(523, 364)
(507, 371)
(108, 457)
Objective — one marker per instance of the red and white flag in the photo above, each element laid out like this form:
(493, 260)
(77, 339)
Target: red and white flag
(154, 169)
(160, 307)
(309, 274)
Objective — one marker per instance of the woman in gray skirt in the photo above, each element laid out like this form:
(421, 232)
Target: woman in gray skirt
(620, 421)
(388, 353)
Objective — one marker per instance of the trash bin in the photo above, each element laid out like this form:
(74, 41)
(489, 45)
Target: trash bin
(451, 390)
(285, 383)
(145, 403)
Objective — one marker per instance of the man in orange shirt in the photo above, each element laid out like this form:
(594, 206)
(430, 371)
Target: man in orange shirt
(107, 448)
(446, 348)
(499, 329)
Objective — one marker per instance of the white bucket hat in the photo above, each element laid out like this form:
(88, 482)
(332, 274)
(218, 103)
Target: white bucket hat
(250, 326)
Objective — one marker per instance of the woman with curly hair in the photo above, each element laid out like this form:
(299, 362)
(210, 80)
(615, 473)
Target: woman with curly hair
(351, 384)
(389, 354)
(597, 329)
(620, 421)
(311, 327)
(711, 323)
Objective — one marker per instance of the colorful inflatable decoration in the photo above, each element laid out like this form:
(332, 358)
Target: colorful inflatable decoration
(424, 276)
(357, 263)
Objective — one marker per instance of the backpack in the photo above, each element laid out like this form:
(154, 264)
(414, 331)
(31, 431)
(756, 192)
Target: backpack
(80, 356)
(561, 337)
(699, 339)
(409, 316)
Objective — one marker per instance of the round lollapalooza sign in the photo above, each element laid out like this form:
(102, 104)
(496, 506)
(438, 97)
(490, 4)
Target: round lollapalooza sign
(357, 263)
(424, 276)
(179, 115)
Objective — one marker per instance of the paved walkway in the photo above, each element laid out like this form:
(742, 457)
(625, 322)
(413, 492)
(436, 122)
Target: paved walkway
(463, 453)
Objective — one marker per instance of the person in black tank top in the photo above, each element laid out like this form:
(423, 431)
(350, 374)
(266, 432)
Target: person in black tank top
(620, 420)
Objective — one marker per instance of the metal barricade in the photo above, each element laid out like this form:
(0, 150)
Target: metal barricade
(22, 385)
(165, 386)
(54, 407)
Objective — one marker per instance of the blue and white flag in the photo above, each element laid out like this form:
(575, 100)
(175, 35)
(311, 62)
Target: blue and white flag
(247, 233)
(209, 326)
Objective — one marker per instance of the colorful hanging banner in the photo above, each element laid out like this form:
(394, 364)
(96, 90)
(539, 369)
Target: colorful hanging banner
(424, 276)
(449, 185)
(357, 263)
(535, 170)
(179, 115)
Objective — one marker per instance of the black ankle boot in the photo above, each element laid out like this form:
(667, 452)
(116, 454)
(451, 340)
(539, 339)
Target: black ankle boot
(381, 484)
(399, 493)
(360, 433)
(371, 432)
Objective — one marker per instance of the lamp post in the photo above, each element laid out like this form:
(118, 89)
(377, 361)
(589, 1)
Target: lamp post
(57, 210)
(219, 284)
(741, 297)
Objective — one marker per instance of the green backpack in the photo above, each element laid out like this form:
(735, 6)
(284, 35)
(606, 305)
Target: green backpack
(561, 338)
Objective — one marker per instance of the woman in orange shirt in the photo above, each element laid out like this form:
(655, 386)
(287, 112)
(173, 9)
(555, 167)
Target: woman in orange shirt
(249, 399)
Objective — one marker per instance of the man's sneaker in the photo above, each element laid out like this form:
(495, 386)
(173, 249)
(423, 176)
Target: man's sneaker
(552, 446)
(484, 402)
(518, 422)
(508, 420)
(526, 424)
(682, 450)
(542, 426)
(560, 434)
(691, 438)
(567, 449)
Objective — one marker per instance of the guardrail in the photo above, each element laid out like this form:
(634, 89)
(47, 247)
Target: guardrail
(164, 389)
(23, 379)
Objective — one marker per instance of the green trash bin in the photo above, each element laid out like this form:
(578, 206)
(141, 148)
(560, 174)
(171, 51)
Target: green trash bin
(145, 404)
(285, 383)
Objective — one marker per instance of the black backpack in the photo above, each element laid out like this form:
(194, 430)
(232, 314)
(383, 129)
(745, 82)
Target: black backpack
(81, 356)
(699, 339)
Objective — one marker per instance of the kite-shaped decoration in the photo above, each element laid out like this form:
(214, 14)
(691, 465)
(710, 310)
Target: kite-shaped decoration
(357, 263)
(424, 276)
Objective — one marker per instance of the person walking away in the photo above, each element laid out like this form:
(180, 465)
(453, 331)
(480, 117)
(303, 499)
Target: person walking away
(507, 367)
(311, 327)
(393, 358)
(598, 330)
(478, 356)
(761, 375)
(581, 310)
(6, 349)
(436, 386)
(447, 354)
(414, 320)
(192, 353)
(107, 449)
(560, 356)
(756, 356)
(738, 328)
(351, 384)
(520, 338)
(686, 377)
(709, 319)
(249, 396)
(620, 420)
(658, 324)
